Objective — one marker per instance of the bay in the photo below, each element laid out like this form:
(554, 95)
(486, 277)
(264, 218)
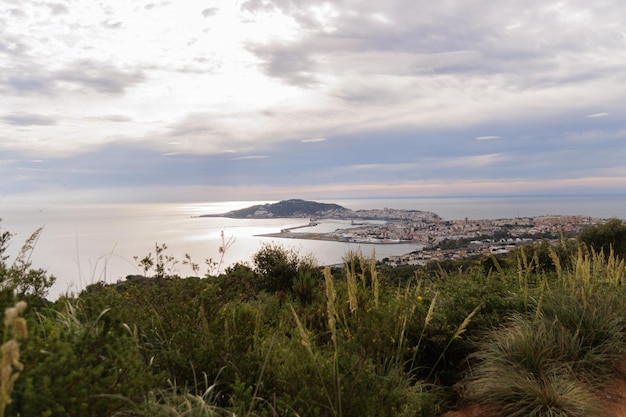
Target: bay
(83, 244)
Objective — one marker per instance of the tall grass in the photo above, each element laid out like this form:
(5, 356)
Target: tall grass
(178, 402)
(553, 359)
(10, 365)
(365, 346)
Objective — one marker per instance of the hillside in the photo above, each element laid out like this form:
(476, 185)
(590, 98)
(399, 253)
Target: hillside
(286, 209)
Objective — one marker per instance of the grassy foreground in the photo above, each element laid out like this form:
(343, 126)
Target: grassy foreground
(537, 332)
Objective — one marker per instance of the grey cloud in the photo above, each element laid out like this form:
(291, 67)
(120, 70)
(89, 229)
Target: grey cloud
(151, 6)
(117, 118)
(27, 119)
(58, 8)
(358, 93)
(211, 11)
(100, 77)
(193, 124)
(255, 6)
(16, 13)
(26, 84)
(203, 126)
(290, 63)
(534, 44)
(200, 130)
(89, 75)
(108, 24)
(12, 45)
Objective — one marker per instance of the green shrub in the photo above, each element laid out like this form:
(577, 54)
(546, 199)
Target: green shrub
(277, 267)
(77, 366)
(607, 237)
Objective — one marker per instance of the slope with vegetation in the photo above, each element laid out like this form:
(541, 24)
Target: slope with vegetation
(286, 209)
(539, 332)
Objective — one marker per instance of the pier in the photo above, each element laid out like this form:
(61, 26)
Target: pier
(312, 223)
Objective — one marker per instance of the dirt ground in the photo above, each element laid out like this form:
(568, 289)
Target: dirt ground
(615, 395)
(471, 411)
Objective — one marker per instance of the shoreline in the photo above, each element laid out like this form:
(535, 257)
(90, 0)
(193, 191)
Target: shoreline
(331, 238)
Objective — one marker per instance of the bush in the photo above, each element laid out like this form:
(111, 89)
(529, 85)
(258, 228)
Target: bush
(79, 366)
(607, 237)
(277, 267)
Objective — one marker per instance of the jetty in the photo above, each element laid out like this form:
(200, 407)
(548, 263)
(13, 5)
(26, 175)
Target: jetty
(312, 223)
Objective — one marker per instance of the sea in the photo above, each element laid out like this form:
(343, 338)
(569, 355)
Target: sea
(84, 244)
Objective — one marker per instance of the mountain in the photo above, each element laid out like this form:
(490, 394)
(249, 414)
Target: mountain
(286, 209)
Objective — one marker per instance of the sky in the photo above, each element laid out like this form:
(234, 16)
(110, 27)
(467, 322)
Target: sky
(218, 100)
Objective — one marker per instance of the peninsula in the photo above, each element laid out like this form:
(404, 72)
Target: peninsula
(294, 208)
(366, 226)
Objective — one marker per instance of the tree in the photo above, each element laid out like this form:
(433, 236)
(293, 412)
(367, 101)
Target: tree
(607, 236)
(277, 267)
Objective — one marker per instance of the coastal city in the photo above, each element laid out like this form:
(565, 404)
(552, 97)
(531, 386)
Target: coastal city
(438, 239)
(435, 238)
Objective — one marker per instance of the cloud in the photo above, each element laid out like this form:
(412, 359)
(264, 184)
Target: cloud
(109, 24)
(58, 8)
(101, 77)
(393, 167)
(28, 119)
(411, 92)
(256, 6)
(83, 76)
(241, 158)
(12, 45)
(474, 161)
(151, 6)
(290, 63)
(26, 83)
(469, 38)
(116, 118)
(210, 11)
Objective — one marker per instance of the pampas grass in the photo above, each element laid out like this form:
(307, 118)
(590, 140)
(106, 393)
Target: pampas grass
(10, 365)
(553, 360)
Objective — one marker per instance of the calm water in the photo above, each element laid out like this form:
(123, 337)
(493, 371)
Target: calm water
(85, 244)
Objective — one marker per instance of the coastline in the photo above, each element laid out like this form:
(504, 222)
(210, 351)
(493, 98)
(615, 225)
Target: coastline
(332, 238)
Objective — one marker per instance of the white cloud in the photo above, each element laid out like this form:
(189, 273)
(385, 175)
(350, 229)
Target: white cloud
(488, 137)
(598, 115)
(474, 161)
(392, 167)
(240, 158)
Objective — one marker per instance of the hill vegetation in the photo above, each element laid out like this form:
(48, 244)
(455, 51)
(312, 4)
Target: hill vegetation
(539, 331)
(286, 209)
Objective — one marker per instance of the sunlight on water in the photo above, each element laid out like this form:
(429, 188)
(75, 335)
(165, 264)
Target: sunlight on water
(198, 209)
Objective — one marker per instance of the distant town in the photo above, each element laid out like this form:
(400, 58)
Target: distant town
(435, 238)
